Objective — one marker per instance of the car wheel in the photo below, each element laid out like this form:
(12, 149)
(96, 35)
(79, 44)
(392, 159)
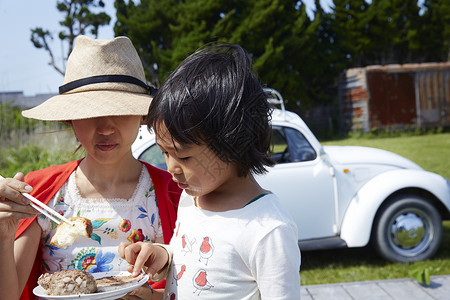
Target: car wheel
(407, 228)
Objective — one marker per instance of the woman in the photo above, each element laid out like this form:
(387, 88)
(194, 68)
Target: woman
(104, 98)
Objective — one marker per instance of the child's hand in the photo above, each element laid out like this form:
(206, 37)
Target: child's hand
(142, 254)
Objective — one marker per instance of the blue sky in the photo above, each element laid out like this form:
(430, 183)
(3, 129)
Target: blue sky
(24, 67)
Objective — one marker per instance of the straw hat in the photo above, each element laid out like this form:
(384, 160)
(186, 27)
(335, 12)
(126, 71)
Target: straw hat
(103, 78)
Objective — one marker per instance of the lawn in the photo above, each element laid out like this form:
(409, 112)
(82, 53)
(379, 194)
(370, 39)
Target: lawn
(361, 264)
(432, 152)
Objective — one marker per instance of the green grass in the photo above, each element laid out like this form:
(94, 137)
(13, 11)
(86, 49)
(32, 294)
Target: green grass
(361, 264)
(431, 152)
(35, 151)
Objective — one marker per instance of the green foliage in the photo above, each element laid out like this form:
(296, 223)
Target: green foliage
(278, 35)
(12, 123)
(79, 19)
(28, 158)
(27, 144)
(433, 38)
(421, 275)
(403, 132)
(382, 32)
(37, 152)
(300, 57)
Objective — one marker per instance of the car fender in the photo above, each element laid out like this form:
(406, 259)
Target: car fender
(359, 216)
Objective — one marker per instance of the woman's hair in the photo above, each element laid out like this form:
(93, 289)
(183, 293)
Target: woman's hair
(213, 98)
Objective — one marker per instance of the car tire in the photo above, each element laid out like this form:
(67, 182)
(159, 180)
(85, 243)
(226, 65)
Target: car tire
(407, 228)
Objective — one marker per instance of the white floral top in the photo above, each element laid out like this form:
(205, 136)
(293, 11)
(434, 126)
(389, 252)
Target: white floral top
(113, 220)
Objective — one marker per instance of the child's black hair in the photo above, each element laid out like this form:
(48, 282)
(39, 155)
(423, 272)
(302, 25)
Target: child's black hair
(213, 98)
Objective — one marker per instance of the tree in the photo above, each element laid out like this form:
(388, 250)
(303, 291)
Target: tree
(299, 56)
(78, 20)
(391, 31)
(393, 24)
(433, 39)
(148, 25)
(277, 34)
(348, 24)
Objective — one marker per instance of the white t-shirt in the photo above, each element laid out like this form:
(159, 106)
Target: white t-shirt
(113, 221)
(247, 253)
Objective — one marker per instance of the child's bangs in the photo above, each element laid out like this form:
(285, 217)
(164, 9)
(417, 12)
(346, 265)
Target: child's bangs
(179, 125)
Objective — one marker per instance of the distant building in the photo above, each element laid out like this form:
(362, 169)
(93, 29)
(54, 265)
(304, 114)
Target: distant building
(395, 97)
(19, 99)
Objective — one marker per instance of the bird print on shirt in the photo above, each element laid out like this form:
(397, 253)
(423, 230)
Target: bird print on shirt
(186, 244)
(206, 250)
(201, 282)
(195, 254)
(178, 274)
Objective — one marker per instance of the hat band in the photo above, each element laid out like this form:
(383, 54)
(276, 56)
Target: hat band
(105, 78)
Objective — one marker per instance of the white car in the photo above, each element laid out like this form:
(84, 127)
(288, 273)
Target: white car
(345, 196)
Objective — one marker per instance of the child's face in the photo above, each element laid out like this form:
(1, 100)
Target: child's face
(195, 168)
(107, 139)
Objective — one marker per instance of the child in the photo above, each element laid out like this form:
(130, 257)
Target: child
(105, 99)
(232, 240)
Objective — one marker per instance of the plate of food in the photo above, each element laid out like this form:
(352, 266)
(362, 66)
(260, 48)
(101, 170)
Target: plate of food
(76, 284)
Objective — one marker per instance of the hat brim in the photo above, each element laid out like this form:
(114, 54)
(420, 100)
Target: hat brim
(90, 104)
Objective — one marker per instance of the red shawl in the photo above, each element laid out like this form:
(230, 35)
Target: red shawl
(48, 181)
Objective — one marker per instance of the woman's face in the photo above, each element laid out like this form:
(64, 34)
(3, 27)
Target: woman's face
(107, 139)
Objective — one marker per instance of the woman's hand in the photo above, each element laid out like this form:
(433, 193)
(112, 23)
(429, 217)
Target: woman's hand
(13, 205)
(141, 254)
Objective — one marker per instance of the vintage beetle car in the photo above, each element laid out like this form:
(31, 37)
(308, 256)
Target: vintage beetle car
(345, 196)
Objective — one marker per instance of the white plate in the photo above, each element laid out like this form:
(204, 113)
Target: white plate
(40, 292)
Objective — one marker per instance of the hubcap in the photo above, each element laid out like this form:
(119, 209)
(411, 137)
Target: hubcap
(407, 230)
(410, 232)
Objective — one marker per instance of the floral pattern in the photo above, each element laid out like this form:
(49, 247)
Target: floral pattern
(136, 236)
(125, 225)
(92, 260)
(113, 221)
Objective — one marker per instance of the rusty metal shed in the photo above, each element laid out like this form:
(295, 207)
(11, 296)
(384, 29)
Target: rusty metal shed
(395, 97)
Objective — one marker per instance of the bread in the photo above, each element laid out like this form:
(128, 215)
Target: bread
(106, 284)
(66, 234)
(69, 282)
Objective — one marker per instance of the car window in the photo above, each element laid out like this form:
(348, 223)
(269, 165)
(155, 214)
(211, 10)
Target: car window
(154, 156)
(279, 146)
(290, 145)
